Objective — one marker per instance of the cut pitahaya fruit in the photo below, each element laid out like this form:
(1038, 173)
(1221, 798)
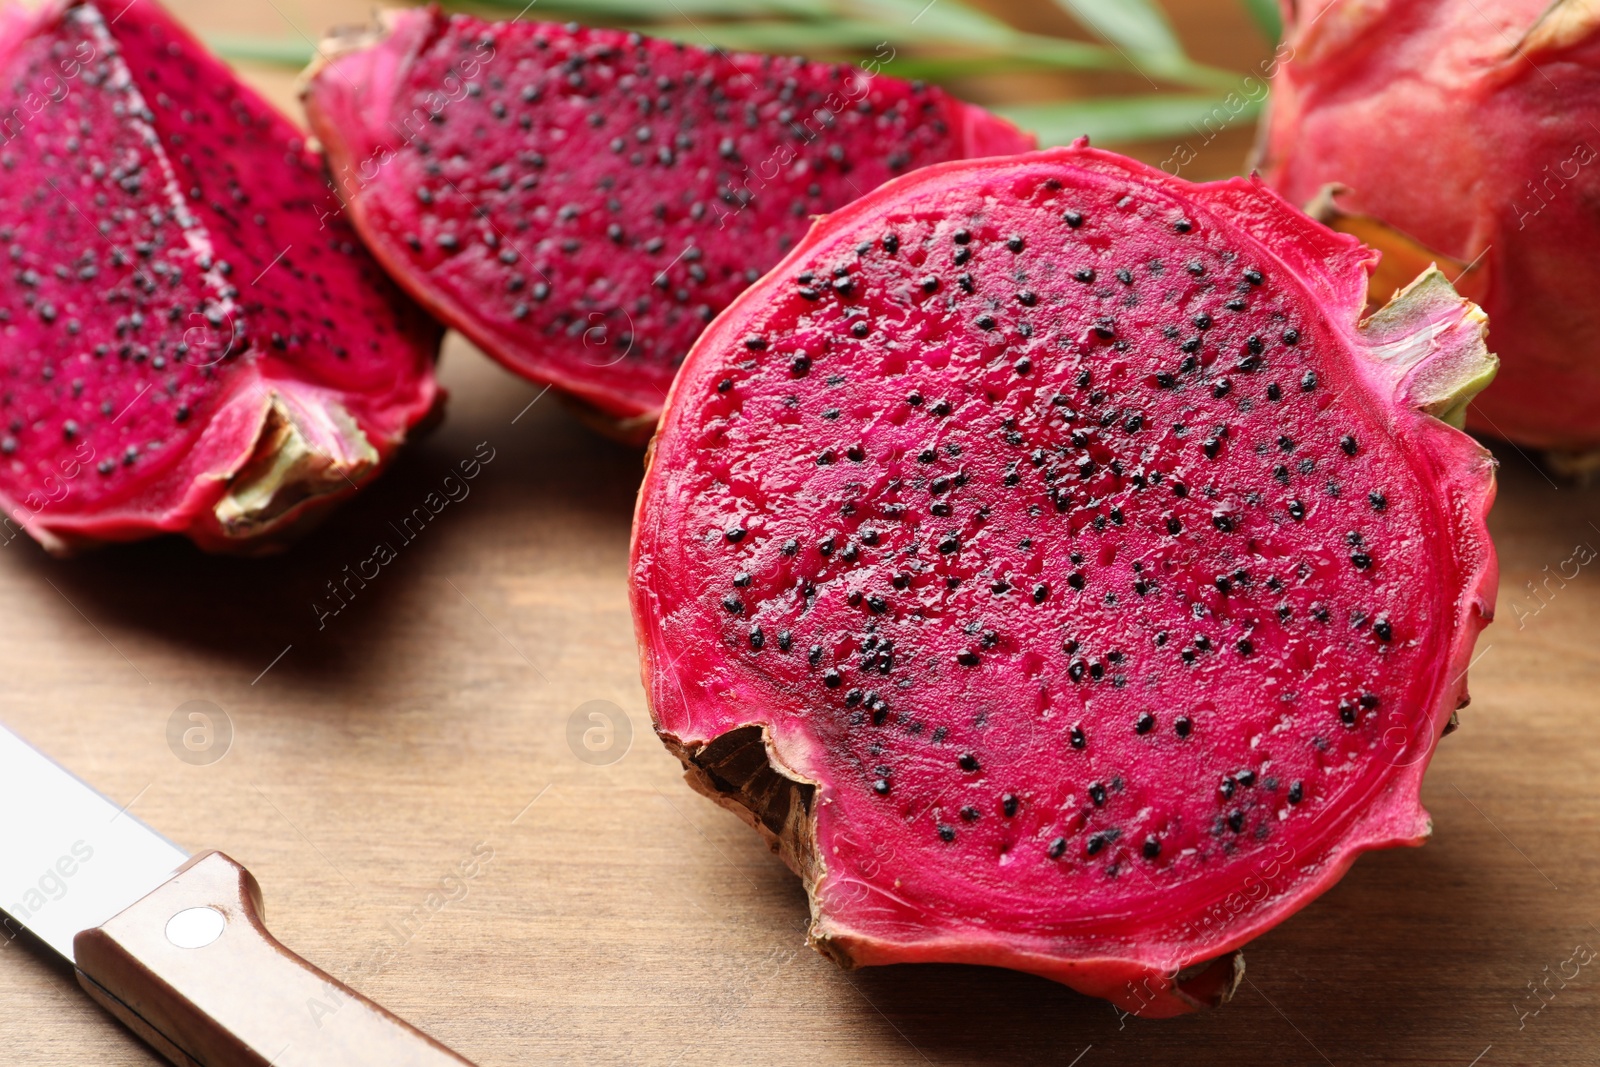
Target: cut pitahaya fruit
(195, 342)
(1048, 563)
(582, 202)
(1462, 131)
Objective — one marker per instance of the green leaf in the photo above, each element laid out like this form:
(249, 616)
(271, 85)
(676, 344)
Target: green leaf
(1268, 17)
(1140, 26)
(283, 52)
(653, 10)
(833, 38)
(946, 20)
(1113, 119)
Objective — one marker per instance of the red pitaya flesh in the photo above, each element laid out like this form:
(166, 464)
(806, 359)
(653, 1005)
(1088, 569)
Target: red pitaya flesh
(1460, 132)
(194, 342)
(582, 202)
(1048, 562)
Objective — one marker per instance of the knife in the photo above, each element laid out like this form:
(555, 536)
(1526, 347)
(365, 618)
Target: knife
(172, 944)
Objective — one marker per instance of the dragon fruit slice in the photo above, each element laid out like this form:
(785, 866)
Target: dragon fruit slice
(1483, 157)
(1048, 563)
(581, 202)
(194, 341)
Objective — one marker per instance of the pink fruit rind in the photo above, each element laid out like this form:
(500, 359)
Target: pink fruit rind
(369, 101)
(198, 343)
(1464, 128)
(752, 744)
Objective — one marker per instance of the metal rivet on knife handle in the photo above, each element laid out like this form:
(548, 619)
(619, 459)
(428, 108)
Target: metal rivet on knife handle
(217, 995)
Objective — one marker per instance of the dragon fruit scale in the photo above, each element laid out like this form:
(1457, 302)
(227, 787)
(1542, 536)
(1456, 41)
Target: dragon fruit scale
(1048, 561)
(195, 342)
(582, 202)
(1463, 132)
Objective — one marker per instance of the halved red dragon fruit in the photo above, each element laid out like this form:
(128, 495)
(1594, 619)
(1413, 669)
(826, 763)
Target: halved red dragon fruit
(582, 202)
(194, 340)
(1050, 565)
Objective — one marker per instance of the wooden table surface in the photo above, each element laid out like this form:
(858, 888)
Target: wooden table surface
(622, 919)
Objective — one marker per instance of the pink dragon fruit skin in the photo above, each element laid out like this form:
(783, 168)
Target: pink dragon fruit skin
(581, 202)
(195, 342)
(1462, 125)
(1047, 562)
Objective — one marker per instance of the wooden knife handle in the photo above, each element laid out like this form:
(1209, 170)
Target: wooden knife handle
(234, 996)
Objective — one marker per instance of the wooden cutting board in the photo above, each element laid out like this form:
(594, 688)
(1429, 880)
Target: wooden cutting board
(616, 917)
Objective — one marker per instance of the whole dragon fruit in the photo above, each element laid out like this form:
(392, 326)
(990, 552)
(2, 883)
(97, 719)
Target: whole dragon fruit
(1048, 563)
(582, 202)
(1459, 132)
(194, 341)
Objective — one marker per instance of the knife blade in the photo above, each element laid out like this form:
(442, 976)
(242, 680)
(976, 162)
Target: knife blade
(172, 945)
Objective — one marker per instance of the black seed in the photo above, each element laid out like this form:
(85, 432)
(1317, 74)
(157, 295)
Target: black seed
(1015, 243)
(832, 678)
(1077, 739)
(1297, 510)
(1253, 276)
(968, 762)
(757, 639)
(1347, 713)
(881, 787)
(1222, 521)
(1097, 793)
(1245, 647)
(1084, 274)
(891, 243)
(1072, 218)
(1383, 629)
(1182, 726)
(785, 639)
(734, 534)
(1183, 225)
(1236, 820)
(1096, 843)
(950, 543)
(1273, 392)
(1360, 560)
(947, 832)
(800, 366)
(968, 658)
(1297, 791)
(1308, 381)
(1348, 444)
(1058, 845)
(1145, 723)
(1291, 337)
(1378, 501)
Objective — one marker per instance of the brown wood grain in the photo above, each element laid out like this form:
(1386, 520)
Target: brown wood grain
(622, 919)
